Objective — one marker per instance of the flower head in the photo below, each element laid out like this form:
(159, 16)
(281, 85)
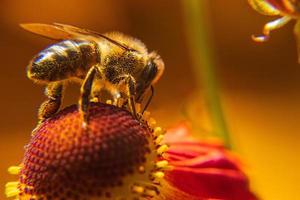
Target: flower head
(203, 170)
(119, 157)
(116, 157)
(287, 9)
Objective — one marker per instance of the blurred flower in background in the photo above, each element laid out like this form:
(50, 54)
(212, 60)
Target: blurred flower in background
(287, 9)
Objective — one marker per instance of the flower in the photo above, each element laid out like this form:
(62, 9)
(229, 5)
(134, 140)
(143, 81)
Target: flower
(288, 9)
(120, 157)
(203, 170)
(116, 157)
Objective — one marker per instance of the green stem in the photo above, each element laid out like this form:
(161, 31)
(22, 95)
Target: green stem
(203, 62)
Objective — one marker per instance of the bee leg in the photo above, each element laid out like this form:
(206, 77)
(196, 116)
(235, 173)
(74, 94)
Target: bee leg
(130, 84)
(85, 91)
(51, 105)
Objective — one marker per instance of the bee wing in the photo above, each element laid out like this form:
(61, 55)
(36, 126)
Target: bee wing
(50, 31)
(59, 31)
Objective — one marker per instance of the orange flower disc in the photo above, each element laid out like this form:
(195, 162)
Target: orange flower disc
(107, 160)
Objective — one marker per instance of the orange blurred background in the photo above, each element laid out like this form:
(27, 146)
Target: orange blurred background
(259, 83)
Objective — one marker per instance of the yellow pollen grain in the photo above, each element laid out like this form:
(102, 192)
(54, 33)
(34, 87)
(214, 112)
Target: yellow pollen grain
(11, 191)
(162, 164)
(162, 149)
(151, 193)
(109, 102)
(152, 122)
(158, 131)
(12, 184)
(159, 139)
(138, 189)
(158, 174)
(95, 100)
(14, 170)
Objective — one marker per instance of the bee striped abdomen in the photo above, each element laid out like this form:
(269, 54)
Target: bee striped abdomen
(66, 59)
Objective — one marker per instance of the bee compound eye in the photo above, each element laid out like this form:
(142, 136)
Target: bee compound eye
(150, 71)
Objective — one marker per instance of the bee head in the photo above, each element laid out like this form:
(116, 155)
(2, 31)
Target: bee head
(150, 74)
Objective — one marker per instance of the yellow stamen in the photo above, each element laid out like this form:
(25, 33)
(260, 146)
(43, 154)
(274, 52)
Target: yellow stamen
(152, 122)
(14, 170)
(95, 100)
(162, 149)
(12, 184)
(158, 131)
(109, 102)
(138, 189)
(11, 189)
(162, 164)
(150, 193)
(159, 139)
(158, 174)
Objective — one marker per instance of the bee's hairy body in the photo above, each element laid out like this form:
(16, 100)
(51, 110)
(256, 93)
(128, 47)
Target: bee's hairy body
(73, 58)
(113, 61)
(64, 60)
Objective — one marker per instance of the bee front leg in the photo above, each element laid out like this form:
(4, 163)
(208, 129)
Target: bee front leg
(51, 105)
(130, 92)
(85, 91)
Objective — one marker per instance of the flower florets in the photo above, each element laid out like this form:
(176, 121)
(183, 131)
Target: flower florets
(116, 157)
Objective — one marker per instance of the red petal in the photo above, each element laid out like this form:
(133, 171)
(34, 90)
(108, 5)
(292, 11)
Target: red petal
(211, 183)
(204, 170)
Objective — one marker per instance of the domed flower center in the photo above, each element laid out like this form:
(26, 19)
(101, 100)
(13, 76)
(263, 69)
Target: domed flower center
(116, 157)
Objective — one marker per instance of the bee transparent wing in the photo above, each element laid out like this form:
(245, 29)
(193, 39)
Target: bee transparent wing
(59, 31)
(88, 33)
(50, 31)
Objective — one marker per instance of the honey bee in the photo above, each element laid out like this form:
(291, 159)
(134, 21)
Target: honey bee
(112, 61)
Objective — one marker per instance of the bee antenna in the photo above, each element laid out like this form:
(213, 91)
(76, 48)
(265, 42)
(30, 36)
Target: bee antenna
(149, 100)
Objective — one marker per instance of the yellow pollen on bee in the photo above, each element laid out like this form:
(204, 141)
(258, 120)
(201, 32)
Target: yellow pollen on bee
(162, 149)
(94, 100)
(109, 102)
(14, 170)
